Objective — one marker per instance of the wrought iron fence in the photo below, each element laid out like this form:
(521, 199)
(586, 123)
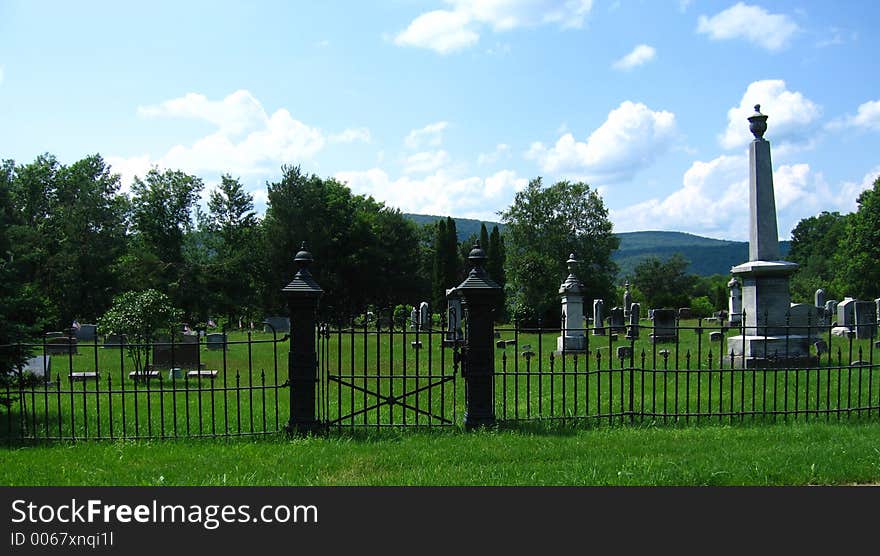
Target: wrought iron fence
(102, 390)
(695, 374)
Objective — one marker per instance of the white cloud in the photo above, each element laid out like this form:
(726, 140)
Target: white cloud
(641, 54)
(442, 192)
(1, 74)
(430, 135)
(446, 31)
(631, 138)
(683, 5)
(714, 200)
(790, 114)
(426, 161)
(128, 168)
(247, 139)
(501, 150)
(351, 135)
(867, 117)
(752, 23)
(442, 31)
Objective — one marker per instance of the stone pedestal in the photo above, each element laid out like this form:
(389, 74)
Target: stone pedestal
(573, 335)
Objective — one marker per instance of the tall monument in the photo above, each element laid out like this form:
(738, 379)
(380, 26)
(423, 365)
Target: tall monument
(767, 338)
(573, 335)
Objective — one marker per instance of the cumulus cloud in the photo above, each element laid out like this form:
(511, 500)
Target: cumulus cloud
(630, 139)
(714, 200)
(430, 135)
(1, 74)
(426, 161)
(441, 192)
(791, 114)
(641, 54)
(446, 31)
(247, 139)
(501, 150)
(867, 117)
(772, 32)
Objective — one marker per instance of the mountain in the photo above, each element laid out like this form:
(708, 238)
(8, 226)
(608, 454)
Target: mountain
(707, 256)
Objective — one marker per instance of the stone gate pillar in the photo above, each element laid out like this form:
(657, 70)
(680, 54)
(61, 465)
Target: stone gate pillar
(479, 295)
(302, 294)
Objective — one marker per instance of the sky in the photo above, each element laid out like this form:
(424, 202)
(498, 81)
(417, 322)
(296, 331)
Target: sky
(450, 107)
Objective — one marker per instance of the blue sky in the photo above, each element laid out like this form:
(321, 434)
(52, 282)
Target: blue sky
(451, 106)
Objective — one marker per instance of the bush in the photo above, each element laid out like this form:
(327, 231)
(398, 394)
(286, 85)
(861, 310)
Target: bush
(702, 307)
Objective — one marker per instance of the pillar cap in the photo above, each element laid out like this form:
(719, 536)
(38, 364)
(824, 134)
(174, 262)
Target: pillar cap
(303, 284)
(477, 278)
(571, 284)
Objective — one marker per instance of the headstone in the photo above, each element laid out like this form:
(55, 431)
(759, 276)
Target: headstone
(112, 341)
(632, 332)
(650, 314)
(865, 319)
(664, 325)
(184, 352)
(86, 332)
(501, 344)
(685, 313)
(414, 319)
(627, 300)
(830, 311)
(510, 342)
(766, 297)
(454, 331)
(734, 302)
(624, 352)
(424, 316)
(61, 345)
(804, 318)
(573, 335)
(715, 336)
(841, 331)
(280, 324)
(819, 298)
(215, 341)
(40, 366)
(416, 344)
(616, 321)
(598, 317)
(846, 312)
(821, 346)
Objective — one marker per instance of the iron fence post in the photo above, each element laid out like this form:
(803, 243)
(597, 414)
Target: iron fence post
(480, 301)
(302, 294)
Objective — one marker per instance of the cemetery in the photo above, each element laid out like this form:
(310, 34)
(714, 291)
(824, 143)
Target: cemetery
(607, 362)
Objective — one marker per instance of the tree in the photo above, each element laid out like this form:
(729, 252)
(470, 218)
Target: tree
(859, 251)
(232, 271)
(545, 225)
(162, 216)
(813, 243)
(663, 284)
(140, 316)
(495, 263)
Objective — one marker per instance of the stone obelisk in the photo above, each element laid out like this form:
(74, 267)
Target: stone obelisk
(765, 337)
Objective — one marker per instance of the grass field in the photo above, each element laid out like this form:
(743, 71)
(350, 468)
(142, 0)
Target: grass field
(793, 454)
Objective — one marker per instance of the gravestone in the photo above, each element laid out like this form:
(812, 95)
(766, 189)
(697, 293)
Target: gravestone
(664, 325)
(414, 319)
(215, 341)
(821, 347)
(632, 332)
(87, 332)
(805, 318)
(61, 345)
(112, 341)
(40, 366)
(865, 319)
(846, 312)
(819, 298)
(650, 314)
(715, 336)
(734, 302)
(830, 311)
(598, 317)
(766, 298)
(616, 321)
(573, 334)
(624, 352)
(280, 324)
(454, 331)
(184, 352)
(424, 316)
(627, 300)
(685, 313)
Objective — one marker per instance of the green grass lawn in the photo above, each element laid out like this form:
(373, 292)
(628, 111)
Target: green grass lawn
(792, 454)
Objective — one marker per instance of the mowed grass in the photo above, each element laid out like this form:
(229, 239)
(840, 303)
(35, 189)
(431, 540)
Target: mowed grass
(792, 454)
